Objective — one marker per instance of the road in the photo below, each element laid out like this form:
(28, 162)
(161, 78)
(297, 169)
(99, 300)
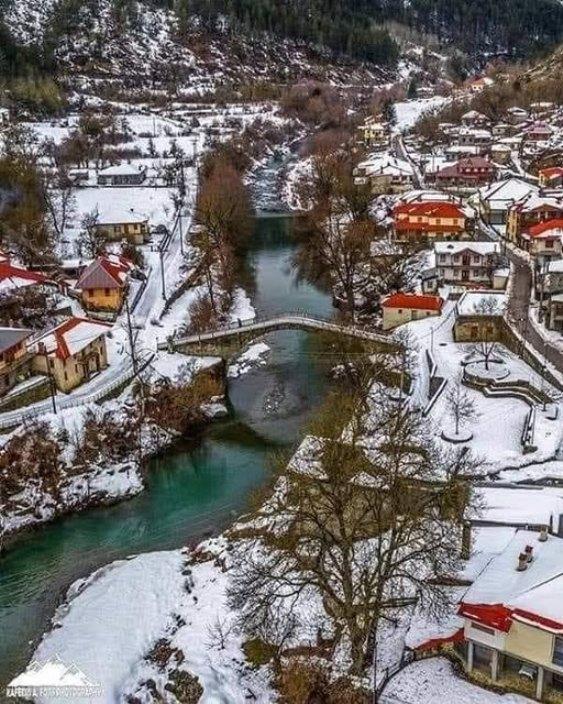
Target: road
(400, 150)
(519, 310)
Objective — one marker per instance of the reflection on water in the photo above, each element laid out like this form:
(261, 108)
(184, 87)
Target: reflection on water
(194, 489)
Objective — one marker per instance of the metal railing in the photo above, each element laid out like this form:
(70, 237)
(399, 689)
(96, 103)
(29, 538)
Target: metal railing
(297, 319)
(11, 419)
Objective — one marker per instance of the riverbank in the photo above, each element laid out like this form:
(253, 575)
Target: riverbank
(193, 490)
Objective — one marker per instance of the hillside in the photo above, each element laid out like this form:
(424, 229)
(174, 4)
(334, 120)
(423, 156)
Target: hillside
(96, 46)
(186, 41)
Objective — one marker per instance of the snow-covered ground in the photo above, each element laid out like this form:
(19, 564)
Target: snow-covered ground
(110, 622)
(501, 448)
(409, 112)
(434, 682)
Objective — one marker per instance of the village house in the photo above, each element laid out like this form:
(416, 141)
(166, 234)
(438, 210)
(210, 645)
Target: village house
(501, 153)
(531, 210)
(513, 615)
(15, 359)
(477, 84)
(538, 132)
(554, 289)
(116, 224)
(551, 177)
(543, 240)
(473, 118)
(467, 263)
(385, 174)
(401, 308)
(374, 132)
(479, 315)
(471, 172)
(103, 283)
(72, 352)
(472, 137)
(421, 220)
(496, 200)
(122, 175)
(516, 115)
(13, 278)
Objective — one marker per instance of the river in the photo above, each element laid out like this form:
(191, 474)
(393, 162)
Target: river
(194, 489)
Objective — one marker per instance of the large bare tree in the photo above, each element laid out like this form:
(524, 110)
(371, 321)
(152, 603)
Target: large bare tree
(365, 518)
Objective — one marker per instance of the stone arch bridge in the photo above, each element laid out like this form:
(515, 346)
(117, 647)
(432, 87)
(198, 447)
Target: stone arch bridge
(228, 341)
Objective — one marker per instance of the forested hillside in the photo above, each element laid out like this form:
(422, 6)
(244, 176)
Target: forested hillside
(37, 35)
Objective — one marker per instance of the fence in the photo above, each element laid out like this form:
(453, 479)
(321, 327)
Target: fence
(15, 418)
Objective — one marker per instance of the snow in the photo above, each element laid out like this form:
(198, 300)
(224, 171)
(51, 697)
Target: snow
(110, 622)
(410, 111)
(254, 356)
(433, 681)
(537, 589)
(242, 309)
(111, 619)
(519, 505)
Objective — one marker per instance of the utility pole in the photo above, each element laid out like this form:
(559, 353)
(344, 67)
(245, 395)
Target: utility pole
(181, 229)
(130, 335)
(161, 253)
(43, 349)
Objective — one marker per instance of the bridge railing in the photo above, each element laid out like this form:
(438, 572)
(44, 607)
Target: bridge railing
(258, 322)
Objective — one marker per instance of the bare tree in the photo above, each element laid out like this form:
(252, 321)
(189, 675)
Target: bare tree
(488, 308)
(91, 241)
(460, 405)
(360, 523)
(60, 201)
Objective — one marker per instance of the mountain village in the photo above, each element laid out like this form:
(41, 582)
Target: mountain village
(434, 229)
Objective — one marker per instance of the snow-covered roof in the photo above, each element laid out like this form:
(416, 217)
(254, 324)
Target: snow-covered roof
(386, 164)
(105, 272)
(482, 248)
(14, 277)
(530, 595)
(70, 337)
(555, 267)
(502, 193)
(486, 303)
(121, 170)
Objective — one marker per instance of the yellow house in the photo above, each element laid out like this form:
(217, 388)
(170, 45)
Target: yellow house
(72, 352)
(103, 284)
(134, 229)
(513, 616)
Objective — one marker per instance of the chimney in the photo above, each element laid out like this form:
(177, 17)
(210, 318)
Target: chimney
(543, 534)
(529, 550)
(522, 562)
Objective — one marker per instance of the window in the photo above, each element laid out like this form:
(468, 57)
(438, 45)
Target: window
(558, 651)
(106, 292)
(442, 257)
(549, 244)
(400, 311)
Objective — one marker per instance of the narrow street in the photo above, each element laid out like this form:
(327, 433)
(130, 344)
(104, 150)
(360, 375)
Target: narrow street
(518, 310)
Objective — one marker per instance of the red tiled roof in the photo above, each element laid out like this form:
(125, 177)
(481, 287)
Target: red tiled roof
(413, 301)
(430, 208)
(105, 273)
(552, 171)
(545, 226)
(500, 617)
(434, 643)
(8, 271)
(62, 351)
